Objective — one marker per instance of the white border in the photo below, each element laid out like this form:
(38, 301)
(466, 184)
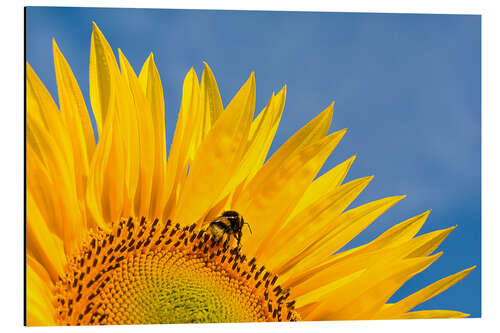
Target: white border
(11, 175)
(422, 6)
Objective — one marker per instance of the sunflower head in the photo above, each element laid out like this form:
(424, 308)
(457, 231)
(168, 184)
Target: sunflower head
(140, 273)
(119, 232)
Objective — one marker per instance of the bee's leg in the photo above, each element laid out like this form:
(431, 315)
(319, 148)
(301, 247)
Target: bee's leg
(226, 242)
(238, 237)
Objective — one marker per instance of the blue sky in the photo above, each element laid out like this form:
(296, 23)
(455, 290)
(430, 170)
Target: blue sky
(407, 87)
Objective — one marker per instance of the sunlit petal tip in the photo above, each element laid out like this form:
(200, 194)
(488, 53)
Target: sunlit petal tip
(329, 110)
(421, 218)
(55, 48)
(96, 31)
(342, 131)
(208, 70)
(401, 308)
(206, 66)
(95, 27)
(432, 314)
(429, 260)
(348, 163)
(436, 256)
(124, 63)
(395, 199)
(281, 93)
(328, 118)
(443, 233)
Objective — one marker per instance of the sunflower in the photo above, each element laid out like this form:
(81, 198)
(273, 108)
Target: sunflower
(119, 233)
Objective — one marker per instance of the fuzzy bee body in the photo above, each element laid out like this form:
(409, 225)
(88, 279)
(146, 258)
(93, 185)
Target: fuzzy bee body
(230, 223)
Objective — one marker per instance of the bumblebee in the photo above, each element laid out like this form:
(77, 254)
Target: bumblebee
(230, 223)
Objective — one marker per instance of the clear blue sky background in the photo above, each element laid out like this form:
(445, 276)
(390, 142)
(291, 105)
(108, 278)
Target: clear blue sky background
(407, 87)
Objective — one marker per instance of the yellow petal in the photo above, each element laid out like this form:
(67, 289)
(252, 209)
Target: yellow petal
(49, 155)
(430, 242)
(258, 143)
(126, 104)
(76, 118)
(396, 235)
(364, 296)
(348, 226)
(144, 137)
(316, 295)
(41, 243)
(262, 133)
(43, 190)
(183, 141)
(210, 108)
(102, 75)
(218, 155)
(400, 308)
(305, 310)
(106, 191)
(150, 81)
(42, 110)
(306, 231)
(399, 233)
(311, 132)
(432, 314)
(110, 94)
(252, 149)
(338, 266)
(324, 184)
(210, 100)
(39, 309)
(275, 190)
(216, 210)
(307, 282)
